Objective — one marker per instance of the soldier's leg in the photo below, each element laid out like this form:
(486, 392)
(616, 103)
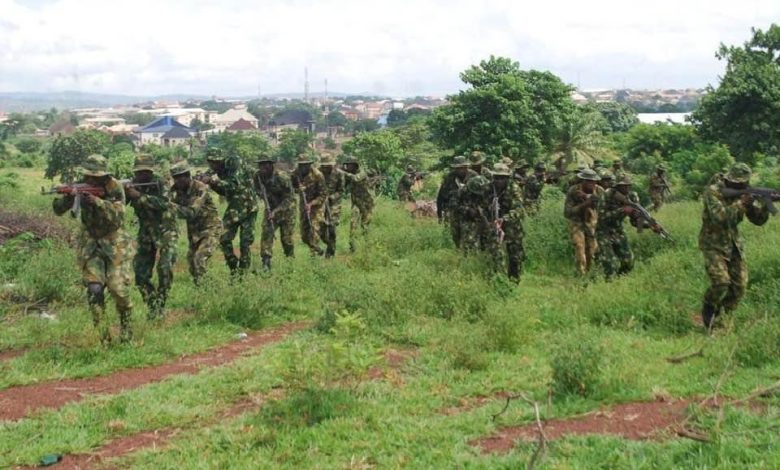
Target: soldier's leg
(266, 242)
(286, 229)
(625, 256)
(310, 232)
(591, 248)
(607, 257)
(738, 273)
(143, 266)
(515, 251)
(456, 229)
(201, 251)
(720, 282)
(354, 222)
(246, 239)
(93, 274)
(577, 236)
(118, 285)
(226, 243)
(165, 266)
(657, 200)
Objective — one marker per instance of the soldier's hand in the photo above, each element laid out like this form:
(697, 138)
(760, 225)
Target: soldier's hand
(132, 193)
(90, 198)
(628, 210)
(746, 199)
(656, 228)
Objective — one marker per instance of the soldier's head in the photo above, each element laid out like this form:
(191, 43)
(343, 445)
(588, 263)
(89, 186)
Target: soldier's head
(460, 166)
(95, 170)
(624, 184)
(215, 159)
(327, 164)
(265, 165)
(477, 159)
(607, 179)
(477, 185)
(589, 179)
(617, 165)
(181, 174)
(597, 164)
(738, 176)
(351, 165)
(410, 169)
(501, 174)
(304, 165)
(143, 168)
(540, 169)
(522, 169)
(660, 169)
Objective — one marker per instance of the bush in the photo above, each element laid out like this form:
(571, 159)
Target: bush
(576, 366)
(759, 344)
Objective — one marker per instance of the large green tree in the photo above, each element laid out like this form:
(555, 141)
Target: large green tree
(619, 117)
(292, 144)
(581, 138)
(743, 112)
(505, 111)
(381, 151)
(67, 153)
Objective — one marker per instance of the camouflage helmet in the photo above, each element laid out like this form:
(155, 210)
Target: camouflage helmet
(214, 154)
(588, 175)
(264, 157)
(500, 169)
(143, 162)
(95, 165)
(597, 163)
(328, 160)
(477, 184)
(477, 157)
(460, 162)
(180, 168)
(624, 180)
(739, 173)
(660, 167)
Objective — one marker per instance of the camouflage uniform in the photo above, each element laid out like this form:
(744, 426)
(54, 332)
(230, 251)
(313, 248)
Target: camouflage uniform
(104, 249)
(404, 190)
(157, 233)
(362, 202)
(194, 204)
(532, 191)
(658, 188)
(506, 210)
(311, 189)
(583, 219)
(473, 203)
(279, 212)
(477, 160)
(617, 170)
(334, 187)
(722, 246)
(614, 252)
(241, 213)
(447, 197)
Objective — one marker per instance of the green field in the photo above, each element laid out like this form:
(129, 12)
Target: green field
(410, 349)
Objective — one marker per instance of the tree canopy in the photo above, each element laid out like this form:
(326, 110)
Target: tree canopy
(67, 153)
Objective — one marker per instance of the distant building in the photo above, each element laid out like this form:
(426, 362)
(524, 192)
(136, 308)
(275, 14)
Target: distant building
(297, 119)
(155, 132)
(61, 128)
(242, 125)
(176, 136)
(228, 118)
(669, 118)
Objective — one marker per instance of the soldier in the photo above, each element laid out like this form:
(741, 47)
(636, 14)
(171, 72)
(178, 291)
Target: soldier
(607, 179)
(614, 252)
(362, 201)
(231, 181)
(532, 191)
(309, 183)
(192, 202)
(477, 159)
(473, 203)
(334, 188)
(583, 200)
(506, 216)
(276, 190)
(104, 249)
(721, 244)
(520, 175)
(598, 165)
(617, 169)
(157, 234)
(659, 187)
(447, 197)
(404, 189)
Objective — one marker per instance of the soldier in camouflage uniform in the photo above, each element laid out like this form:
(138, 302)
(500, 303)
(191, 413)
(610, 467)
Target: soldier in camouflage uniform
(473, 202)
(157, 234)
(721, 244)
(192, 202)
(520, 175)
(104, 249)
(506, 216)
(607, 179)
(276, 191)
(447, 197)
(334, 188)
(362, 201)
(309, 183)
(404, 189)
(617, 169)
(658, 187)
(232, 181)
(614, 252)
(532, 191)
(477, 160)
(583, 201)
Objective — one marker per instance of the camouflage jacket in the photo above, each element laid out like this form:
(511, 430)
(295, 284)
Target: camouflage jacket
(405, 183)
(236, 186)
(508, 203)
(357, 185)
(447, 198)
(105, 218)
(311, 188)
(335, 184)
(575, 210)
(721, 218)
(278, 190)
(658, 183)
(611, 215)
(533, 187)
(474, 207)
(196, 206)
(153, 208)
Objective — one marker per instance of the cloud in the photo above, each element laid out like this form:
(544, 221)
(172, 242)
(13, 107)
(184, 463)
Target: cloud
(402, 47)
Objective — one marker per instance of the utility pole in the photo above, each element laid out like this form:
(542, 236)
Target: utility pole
(306, 84)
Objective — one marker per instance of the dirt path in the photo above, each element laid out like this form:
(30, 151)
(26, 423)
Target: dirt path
(18, 402)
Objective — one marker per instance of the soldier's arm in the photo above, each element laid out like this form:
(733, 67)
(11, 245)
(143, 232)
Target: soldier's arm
(155, 202)
(112, 205)
(719, 211)
(219, 186)
(516, 210)
(320, 190)
(757, 213)
(288, 200)
(62, 204)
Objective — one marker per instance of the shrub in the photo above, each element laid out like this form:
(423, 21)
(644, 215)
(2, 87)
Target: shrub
(759, 344)
(576, 366)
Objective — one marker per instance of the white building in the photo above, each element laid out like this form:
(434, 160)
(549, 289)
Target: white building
(229, 117)
(669, 118)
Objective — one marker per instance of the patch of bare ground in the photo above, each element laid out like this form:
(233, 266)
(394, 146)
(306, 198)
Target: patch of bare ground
(13, 224)
(18, 402)
(394, 359)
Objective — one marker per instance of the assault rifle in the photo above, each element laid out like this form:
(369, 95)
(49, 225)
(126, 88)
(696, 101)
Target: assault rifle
(268, 215)
(78, 190)
(498, 222)
(306, 211)
(643, 218)
(768, 195)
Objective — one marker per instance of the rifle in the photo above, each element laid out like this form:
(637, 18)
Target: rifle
(768, 195)
(498, 222)
(666, 188)
(302, 189)
(267, 204)
(644, 218)
(78, 190)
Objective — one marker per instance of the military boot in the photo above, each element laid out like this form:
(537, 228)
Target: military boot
(266, 262)
(125, 329)
(708, 314)
(513, 270)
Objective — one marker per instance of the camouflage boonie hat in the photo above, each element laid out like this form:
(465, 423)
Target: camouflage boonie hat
(351, 160)
(617, 163)
(661, 167)
(143, 162)
(214, 154)
(588, 175)
(327, 160)
(499, 169)
(597, 163)
(304, 159)
(625, 180)
(95, 165)
(507, 161)
(607, 175)
(460, 162)
(265, 157)
(477, 158)
(410, 169)
(739, 173)
(523, 166)
(477, 184)
(540, 167)
(180, 168)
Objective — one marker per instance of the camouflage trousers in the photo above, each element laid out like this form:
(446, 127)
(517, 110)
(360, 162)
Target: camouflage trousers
(231, 226)
(513, 246)
(532, 206)
(614, 254)
(585, 246)
(201, 246)
(328, 226)
(285, 223)
(455, 227)
(474, 234)
(657, 197)
(728, 279)
(310, 230)
(361, 218)
(149, 246)
(105, 263)
(405, 196)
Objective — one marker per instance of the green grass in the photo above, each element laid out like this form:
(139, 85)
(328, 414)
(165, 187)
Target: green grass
(473, 333)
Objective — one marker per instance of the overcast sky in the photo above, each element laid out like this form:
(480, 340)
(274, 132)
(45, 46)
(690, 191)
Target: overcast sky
(398, 47)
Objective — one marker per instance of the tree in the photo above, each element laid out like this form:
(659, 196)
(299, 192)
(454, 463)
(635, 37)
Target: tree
(743, 112)
(67, 153)
(396, 117)
(380, 151)
(619, 117)
(138, 119)
(337, 119)
(28, 145)
(581, 137)
(506, 111)
(659, 138)
(292, 144)
(247, 146)
(364, 125)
